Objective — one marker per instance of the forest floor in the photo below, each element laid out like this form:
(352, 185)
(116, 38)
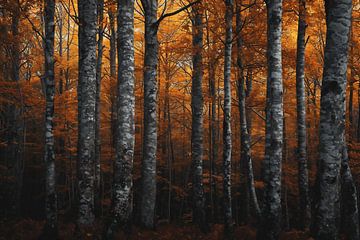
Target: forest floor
(28, 229)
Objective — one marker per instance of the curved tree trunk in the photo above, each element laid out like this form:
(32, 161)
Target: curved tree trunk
(245, 135)
(51, 197)
(304, 205)
(332, 121)
(271, 213)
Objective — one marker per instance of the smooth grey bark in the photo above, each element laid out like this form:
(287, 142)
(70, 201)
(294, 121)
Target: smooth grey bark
(332, 118)
(122, 183)
(349, 200)
(228, 221)
(87, 11)
(50, 177)
(245, 157)
(271, 213)
(303, 182)
(197, 118)
(97, 167)
(148, 191)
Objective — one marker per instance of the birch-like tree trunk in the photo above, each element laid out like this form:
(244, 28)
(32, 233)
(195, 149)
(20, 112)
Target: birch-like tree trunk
(148, 191)
(97, 168)
(228, 221)
(87, 11)
(122, 185)
(245, 136)
(304, 204)
(332, 120)
(197, 118)
(50, 176)
(271, 212)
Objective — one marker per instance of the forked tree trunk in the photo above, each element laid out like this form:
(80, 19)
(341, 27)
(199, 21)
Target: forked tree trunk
(245, 135)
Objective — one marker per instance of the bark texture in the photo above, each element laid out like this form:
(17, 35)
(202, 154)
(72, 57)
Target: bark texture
(228, 221)
(303, 184)
(197, 118)
(271, 212)
(122, 185)
(50, 179)
(87, 11)
(332, 118)
(99, 60)
(148, 191)
(349, 200)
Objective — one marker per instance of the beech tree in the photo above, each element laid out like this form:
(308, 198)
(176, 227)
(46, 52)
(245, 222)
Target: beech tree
(227, 120)
(245, 157)
(148, 168)
(51, 197)
(332, 121)
(271, 212)
(87, 14)
(125, 137)
(197, 117)
(304, 203)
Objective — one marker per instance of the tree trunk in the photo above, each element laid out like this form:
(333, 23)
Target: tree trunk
(271, 213)
(228, 221)
(113, 75)
(245, 136)
(50, 180)
(87, 10)
(349, 199)
(97, 167)
(332, 121)
(122, 185)
(197, 119)
(304, 206)
(148, 191)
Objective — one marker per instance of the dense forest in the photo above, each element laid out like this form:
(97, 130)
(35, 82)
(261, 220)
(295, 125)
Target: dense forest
(180, 119)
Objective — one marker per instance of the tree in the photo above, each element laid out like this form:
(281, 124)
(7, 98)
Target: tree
(87, 10)
(271, 212)
(301, 119)
(332, 121)
(99, 62)
(122, 182)
(245, 135)
(51, 197)
(148, 168)
(197, 118)
(227, 120)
